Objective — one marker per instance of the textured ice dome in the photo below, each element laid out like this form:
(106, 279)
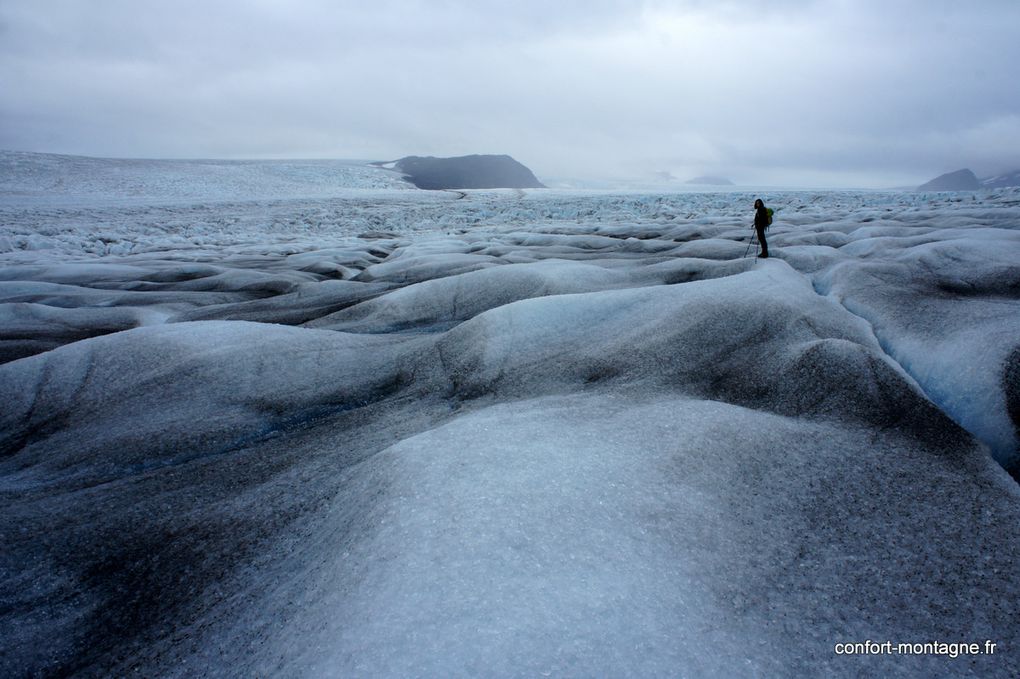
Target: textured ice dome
(386, 432)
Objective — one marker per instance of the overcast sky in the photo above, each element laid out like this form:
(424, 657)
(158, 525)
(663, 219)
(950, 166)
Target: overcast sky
(823, 93)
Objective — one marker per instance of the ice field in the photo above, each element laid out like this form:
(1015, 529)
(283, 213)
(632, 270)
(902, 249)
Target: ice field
(298, 419)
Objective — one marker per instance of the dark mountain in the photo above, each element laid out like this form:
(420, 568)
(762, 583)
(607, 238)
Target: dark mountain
(1002, 180)
(964, 180)
(961, 180)
(467, 172)
(710, 181)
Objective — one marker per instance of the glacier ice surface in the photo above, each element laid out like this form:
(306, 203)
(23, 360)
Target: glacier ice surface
(351, 429)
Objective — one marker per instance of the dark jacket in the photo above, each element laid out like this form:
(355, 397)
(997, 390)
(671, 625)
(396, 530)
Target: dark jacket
(761, 218)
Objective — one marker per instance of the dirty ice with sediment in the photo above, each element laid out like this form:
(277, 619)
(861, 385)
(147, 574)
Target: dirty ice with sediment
(298, 418)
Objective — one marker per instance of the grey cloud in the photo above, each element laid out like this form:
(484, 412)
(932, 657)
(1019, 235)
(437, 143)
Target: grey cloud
(799, 88)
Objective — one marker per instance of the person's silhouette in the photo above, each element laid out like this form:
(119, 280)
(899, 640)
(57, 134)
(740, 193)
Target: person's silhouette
(761, 222)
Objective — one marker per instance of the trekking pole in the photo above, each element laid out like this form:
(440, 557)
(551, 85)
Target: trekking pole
(749, 244)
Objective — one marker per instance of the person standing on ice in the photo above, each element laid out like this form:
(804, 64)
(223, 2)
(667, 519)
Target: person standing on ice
(761, 222)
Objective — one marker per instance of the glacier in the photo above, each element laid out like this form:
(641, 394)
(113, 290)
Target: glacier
(295, 419)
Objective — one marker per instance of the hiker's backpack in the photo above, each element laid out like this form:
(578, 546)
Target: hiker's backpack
(769, 212)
